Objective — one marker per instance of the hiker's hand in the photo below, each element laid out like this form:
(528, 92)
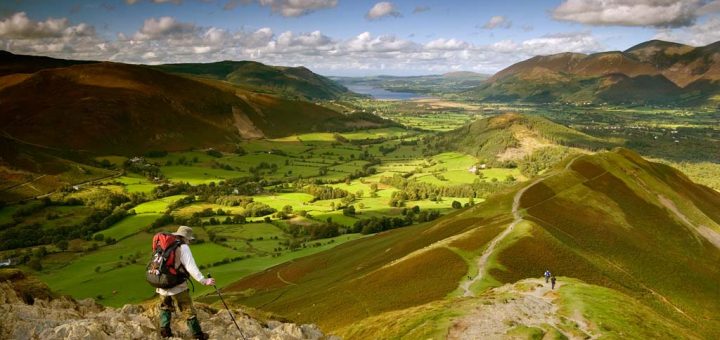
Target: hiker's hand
(209, 282)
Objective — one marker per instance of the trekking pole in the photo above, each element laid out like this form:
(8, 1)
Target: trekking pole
(228, 309)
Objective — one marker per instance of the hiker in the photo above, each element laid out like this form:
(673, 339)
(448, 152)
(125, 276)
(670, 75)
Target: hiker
(180, 294)
(547, 275)
(553, 282)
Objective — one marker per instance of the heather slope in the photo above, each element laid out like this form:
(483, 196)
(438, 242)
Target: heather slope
(638, 231)
(110, 108)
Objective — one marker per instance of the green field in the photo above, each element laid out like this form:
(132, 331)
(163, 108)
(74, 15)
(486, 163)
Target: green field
(130, 225)
(120, 283)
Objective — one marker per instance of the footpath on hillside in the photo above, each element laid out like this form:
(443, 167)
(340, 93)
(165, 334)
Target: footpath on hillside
(518, 307)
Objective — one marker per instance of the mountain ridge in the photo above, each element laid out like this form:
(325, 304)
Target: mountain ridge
(282, 80)
(603, 219)
(687, 75)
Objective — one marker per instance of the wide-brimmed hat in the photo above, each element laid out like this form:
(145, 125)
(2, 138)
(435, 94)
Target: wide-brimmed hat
(185, 232)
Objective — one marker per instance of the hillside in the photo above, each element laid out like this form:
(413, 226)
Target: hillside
(654, 72)
(296, 82)
(31, 311)
(638, 236)
(30, 170)
(13, 64)
(110, 108)
(511, 137)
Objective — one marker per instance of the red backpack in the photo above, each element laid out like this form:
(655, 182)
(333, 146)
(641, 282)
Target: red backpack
(161, 271)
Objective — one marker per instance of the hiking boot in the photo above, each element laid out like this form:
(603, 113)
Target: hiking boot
(165, 332)
(194, 326)
(201, 336)
(165, 316)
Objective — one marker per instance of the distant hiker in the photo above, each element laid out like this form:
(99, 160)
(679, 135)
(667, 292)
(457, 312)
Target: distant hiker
(169, 271)
(552, 279)
(547, 275)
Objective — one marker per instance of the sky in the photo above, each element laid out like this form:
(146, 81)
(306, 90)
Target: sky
(348, 37)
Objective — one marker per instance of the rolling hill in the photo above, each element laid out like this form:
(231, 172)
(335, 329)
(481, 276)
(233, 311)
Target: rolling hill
(511, 137)
(294, 82)
(111, 108)
(631, 241)
(654, 72)
(56, 115)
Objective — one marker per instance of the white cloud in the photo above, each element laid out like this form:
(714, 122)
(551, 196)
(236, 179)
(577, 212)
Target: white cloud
(697, 35)
(382, 9)
(295, 8)
(497, 21)
(582, 42)
(167, 40)
(384, 44)
(447, 44)
(162, 27)
(649, 13)
(19, 26)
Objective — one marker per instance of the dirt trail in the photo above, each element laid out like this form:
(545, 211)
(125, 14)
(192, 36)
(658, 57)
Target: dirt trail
(482, 261)
(534, 305)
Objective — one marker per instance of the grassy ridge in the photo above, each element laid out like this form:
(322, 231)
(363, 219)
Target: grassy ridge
(599, 220)
(611, 230)
(287, 81)
(489, 138)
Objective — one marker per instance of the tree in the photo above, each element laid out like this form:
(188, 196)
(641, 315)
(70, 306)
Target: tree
(349, 211)
(35, 264)
(456, 205)
(62, 244)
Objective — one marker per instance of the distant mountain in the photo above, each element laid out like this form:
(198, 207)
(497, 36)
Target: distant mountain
(654, 72)
(287, 81)
(451, 82)
(512, 136)
(635, 246)
(464, 74)
(111, 108)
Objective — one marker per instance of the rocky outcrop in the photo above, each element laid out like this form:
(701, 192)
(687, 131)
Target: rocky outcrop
(46, 317)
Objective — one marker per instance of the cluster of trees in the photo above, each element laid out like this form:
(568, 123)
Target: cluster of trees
(272, 167)
(184, 161)
(321, 192)
(214, 153)
(315, 231)
(542, 159)
(387, 149)
(378, 224)
(217, 165)
(246, 186)
(149, 170)
(20, 235)
(412, 190)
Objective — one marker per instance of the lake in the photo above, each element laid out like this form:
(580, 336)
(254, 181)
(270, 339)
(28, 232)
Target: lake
(380, 93)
